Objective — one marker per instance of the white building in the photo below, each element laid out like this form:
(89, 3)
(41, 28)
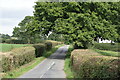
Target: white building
(100, 40)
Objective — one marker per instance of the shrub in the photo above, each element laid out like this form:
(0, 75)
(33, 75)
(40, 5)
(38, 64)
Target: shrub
(107, 46)
(2, 40)
(8, 41)
(39, 49)
(89, 64)
(17, 57)
(54, 43)
(48, 45)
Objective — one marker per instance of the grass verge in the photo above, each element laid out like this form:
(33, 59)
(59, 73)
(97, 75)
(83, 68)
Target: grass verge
(21, 70)
(108, 53)
(67, 66)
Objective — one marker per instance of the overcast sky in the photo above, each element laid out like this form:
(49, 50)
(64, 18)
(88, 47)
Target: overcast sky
(12, 12)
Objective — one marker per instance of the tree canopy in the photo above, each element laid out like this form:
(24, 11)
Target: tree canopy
(80, 22)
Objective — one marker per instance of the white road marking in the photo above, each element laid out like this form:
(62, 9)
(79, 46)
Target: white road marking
(53, 63)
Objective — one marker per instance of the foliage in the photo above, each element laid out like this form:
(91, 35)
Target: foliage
(12, 60)
(48, 53)
(25, 68)
(27, 31)
(54, 43)
(17, 57)
(89, 64)
(48, 45)
(39, 49)
(56, 37)
(81, 22)
(4, 37)
(107, 46)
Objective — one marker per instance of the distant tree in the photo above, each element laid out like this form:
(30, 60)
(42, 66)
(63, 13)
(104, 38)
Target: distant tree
(4, 37)
(29, 30)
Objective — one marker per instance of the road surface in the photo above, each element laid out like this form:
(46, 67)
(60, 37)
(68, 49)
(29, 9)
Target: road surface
(51, 67)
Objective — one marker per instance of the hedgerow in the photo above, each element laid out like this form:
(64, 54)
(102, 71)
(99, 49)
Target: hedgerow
(89, 64)
(17, 57)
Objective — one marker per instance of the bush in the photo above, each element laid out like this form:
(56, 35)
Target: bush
(8, 41)
(48, 45)
(17, 57)
(89, 64)
(54, 43)
(2, 40)
(107, 46)
(39, 49)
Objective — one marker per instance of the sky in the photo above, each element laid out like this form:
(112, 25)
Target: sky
(12, 12)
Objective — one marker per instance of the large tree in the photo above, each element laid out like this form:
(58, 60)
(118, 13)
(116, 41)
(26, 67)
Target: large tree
(81, 21)
(27, 30)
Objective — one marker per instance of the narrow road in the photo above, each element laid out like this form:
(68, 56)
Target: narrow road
(51, 67)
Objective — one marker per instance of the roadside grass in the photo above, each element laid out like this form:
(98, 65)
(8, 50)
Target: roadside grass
(108, 53)
(67, 66)
(8, 47)
(21, 70)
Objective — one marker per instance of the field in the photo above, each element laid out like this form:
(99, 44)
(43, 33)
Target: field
(8, 47)
(107, 46)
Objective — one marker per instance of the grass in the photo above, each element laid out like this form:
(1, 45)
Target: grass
(108, 53)
(107, 46)
(19, 71)
(67, 69)
(67, 66)
(8, 47)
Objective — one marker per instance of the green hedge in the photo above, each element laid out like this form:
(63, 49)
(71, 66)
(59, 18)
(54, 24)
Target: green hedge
(39, 49)
(107, 46)
(89, 64)
(54, 43)
(20, 56)
(17, 57)
(13, 41)
(48, 45)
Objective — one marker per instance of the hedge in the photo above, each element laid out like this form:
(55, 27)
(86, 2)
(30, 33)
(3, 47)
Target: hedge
(89, 64)
(54, 43)
(48, 45)
(13, 41)
(20, 56)
(17, 57)
(39, 49)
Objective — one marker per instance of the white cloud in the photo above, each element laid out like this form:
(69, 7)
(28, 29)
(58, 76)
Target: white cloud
(16, 4)
(12, 12)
